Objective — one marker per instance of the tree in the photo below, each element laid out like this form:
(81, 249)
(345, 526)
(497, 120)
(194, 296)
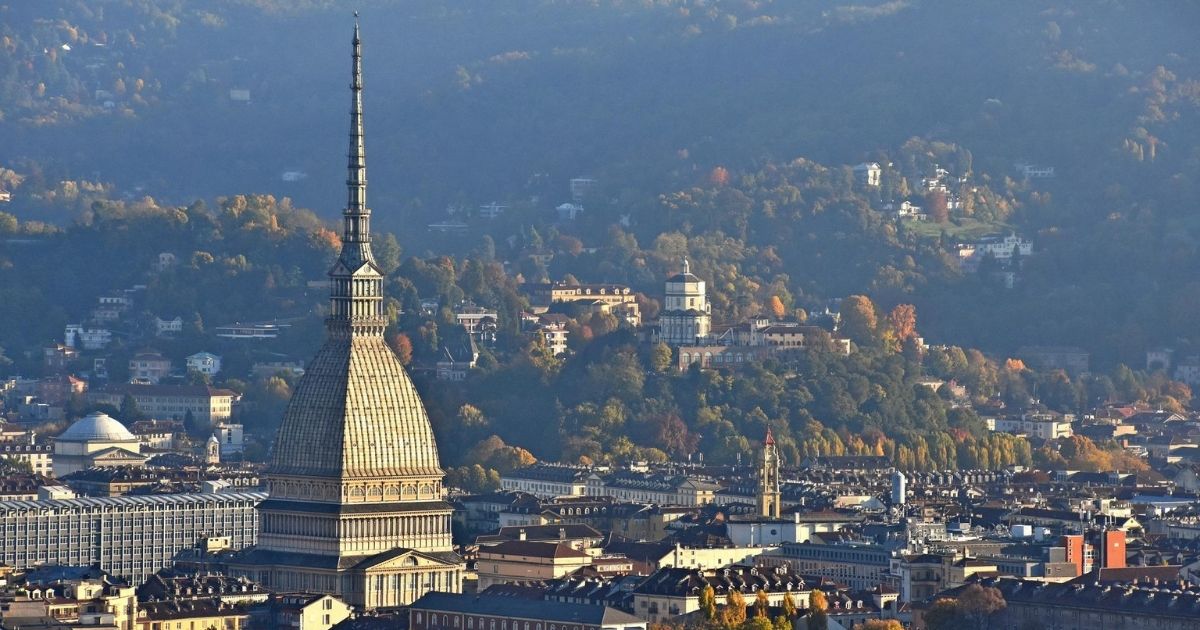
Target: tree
(937, 206)
(758, 623)
(903, 322)
(778, 310)
(719, 176)
(817, 618)
(129, 412)
(735, 609)
(859, 321)
(979, 603)
(660, 357)
(403, 348)
(944, 615)
(190, 424)
(789, 606)
(973, 608)
(880, 624)
(708, 602)
(761, 604)
(8, 223)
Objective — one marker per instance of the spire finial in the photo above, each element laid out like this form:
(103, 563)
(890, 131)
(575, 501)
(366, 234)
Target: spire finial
(687, 268)
(356, 289)
(357, 229)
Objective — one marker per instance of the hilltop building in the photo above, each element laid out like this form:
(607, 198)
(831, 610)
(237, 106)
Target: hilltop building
(355, 505)
(686, 317)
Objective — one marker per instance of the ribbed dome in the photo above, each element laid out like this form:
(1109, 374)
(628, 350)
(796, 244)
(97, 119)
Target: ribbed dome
(355, 414)
(97, 427)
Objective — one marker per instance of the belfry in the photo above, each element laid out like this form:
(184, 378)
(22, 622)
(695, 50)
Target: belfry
(355, 505)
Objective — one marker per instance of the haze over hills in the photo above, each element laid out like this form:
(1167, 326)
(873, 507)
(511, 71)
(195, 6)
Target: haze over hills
(724, 132)
(472, 100)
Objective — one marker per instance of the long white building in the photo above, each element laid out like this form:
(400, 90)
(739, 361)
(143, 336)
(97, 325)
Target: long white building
(130, 536)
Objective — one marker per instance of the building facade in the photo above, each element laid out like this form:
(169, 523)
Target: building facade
(130, 537)
(208, 405)
(686, 318)
(95, 440)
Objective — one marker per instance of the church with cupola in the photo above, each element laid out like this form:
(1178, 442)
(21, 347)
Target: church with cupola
(686, 317)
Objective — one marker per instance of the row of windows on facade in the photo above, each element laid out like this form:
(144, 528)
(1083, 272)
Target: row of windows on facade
(709, 357)
(409, 526)
(477, 623)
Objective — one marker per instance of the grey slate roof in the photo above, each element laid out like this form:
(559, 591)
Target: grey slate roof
(540, 610)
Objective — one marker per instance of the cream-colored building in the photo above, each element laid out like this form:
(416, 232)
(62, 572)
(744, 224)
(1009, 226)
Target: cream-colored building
(81, 602)
(96, 440)
(523, 561)
(618, 300)
(208, 405)
(307, 611)
(705, 558)
(548, 481)
(686, 317)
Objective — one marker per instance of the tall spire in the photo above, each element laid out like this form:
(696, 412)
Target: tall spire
(358, 227)
(356, 282)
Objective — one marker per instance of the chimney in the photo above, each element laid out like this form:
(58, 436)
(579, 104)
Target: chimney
(562, 533)
(521, 534)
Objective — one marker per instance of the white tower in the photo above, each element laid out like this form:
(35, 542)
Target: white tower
(212, 451)
(899, 488)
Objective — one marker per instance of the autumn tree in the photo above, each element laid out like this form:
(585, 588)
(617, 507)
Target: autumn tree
(937, 206)
(719, 176)
(973, 609)
(902, 324)
(817, 618)
(879, 624)
(708, 602)
(735, 609)
(778, 310)
(403, 348)
(859, 321)
(789, 606)
(761, 604)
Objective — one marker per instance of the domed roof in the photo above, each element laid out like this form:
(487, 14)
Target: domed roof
(355, 414)
(96, 427)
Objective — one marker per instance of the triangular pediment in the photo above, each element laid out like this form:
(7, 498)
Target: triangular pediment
(115, 452)
(403, 559)
(367, 269)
